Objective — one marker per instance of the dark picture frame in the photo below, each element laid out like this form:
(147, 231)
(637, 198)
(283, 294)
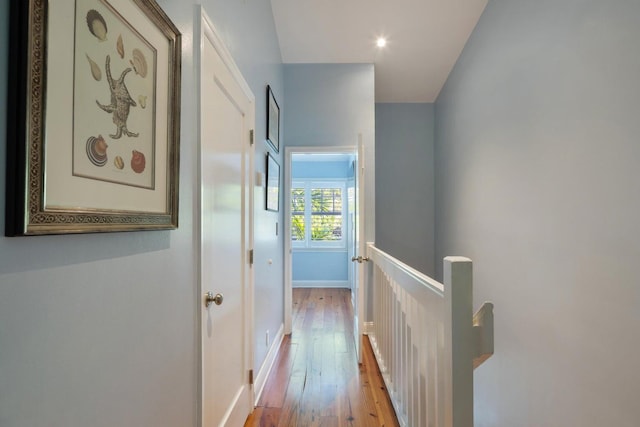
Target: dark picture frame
(273, 121)
(93, 135)
(272, 184)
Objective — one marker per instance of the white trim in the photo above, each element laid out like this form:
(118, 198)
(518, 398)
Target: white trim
(209, 31)
(368, 328)
(362, 220)
(288, 254)
(260, 379)
(321, 284)
(233, 414)
(197, 206)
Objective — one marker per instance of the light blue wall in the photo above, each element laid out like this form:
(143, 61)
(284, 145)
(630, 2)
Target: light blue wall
(321, 169)
(317, 266)
(405, 184)
(538, 180)
(328, 104)
(100, 330)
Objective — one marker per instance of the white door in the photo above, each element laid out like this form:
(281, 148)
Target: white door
(359, 249)
(226, 118)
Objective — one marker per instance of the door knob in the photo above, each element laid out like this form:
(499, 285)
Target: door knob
(359, 259)
(217, 299)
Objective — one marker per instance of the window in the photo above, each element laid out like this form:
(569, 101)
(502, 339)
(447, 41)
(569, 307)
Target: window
(317, 217)
(297, 215)
(326, 214)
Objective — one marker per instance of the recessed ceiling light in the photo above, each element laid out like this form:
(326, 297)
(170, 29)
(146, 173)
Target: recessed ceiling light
(381, 42)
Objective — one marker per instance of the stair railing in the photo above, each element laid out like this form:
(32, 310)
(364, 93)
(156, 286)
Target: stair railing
(427, 341)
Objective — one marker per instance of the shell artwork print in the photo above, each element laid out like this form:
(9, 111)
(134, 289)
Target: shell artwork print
(120, 46)
(118, 162)
(97, 150)
(139, 63)
(114, 96)
(121, 102)
(97, 25)
(95, 69)
(138, 162)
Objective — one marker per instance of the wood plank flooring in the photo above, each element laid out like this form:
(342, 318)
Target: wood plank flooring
(316, 380)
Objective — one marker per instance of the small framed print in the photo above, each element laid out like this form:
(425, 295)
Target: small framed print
(93, 141)
(273, 184)
(273, 120)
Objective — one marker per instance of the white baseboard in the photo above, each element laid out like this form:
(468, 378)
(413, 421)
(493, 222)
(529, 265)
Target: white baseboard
(321, 284)
(368, 328)
(261, 379)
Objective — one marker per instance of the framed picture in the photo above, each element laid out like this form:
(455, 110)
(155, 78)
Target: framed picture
(273, 121)
(273, 184)
(93, 138)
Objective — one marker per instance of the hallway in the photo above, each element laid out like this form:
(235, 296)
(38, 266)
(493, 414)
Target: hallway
(316, 379)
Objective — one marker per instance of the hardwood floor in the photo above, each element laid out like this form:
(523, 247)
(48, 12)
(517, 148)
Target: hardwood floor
(316, 380)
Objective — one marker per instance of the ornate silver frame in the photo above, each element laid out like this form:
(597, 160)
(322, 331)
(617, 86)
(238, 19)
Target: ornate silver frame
(26, 213)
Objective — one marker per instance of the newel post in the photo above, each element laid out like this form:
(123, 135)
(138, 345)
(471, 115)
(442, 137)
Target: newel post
(459, 331)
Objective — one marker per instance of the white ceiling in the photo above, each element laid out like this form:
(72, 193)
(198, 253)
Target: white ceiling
(425, 38)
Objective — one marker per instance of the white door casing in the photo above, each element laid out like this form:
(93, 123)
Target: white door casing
(360, 248)
(288, 253)
(226, 232)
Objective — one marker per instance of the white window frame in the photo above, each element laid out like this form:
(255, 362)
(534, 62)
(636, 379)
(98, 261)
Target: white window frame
(308, 184)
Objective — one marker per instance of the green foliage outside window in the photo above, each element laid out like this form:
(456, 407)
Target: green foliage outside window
(325, 214)
(297, 214)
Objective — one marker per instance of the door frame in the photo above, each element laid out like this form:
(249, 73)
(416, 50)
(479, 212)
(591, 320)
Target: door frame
(288, 267)
(204, 28)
